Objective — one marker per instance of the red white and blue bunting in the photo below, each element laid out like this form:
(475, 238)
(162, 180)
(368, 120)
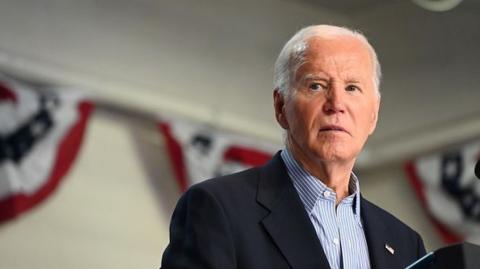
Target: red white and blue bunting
(448, 189)
(40, 135)
(198, 151)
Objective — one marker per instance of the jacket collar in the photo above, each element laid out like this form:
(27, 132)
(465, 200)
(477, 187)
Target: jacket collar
(287, 221)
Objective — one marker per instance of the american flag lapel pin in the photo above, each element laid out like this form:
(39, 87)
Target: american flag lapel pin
(390, 249)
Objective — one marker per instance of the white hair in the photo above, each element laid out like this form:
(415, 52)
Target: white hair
(292, 55)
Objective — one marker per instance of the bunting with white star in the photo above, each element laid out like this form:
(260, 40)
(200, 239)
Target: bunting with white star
(198, 151)
(40, 134)
(449, 191)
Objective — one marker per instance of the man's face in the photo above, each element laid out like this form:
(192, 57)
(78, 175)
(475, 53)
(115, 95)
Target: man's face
(333, 106)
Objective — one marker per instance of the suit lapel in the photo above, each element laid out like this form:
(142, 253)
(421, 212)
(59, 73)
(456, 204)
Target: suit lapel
(380, 245)
(288, 223)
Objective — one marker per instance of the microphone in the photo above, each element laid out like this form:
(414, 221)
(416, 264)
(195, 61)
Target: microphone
(477, 169)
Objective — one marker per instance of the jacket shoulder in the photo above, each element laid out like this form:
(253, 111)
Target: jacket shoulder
(235, 184)
(388, 219)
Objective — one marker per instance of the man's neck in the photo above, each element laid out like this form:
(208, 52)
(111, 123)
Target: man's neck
(334, 174)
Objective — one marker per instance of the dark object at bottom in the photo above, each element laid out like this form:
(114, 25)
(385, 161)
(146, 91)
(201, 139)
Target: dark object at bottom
(460, 256)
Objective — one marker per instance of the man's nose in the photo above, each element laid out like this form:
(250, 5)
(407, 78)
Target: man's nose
(334, 100)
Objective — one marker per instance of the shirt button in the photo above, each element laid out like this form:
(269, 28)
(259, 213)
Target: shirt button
(326, 194)
(335, 241)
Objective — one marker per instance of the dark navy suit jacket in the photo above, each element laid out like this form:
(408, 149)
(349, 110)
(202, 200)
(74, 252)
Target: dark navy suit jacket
(255, 220)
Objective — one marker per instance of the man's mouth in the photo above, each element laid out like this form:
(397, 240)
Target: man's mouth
(333, 128)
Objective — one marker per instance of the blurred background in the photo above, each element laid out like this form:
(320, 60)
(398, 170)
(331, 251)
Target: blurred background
(145, 65)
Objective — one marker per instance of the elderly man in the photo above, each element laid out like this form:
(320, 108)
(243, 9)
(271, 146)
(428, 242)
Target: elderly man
(303, 209)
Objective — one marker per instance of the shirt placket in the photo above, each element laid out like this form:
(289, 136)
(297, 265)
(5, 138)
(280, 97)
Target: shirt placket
(346, 231)
(331, 237)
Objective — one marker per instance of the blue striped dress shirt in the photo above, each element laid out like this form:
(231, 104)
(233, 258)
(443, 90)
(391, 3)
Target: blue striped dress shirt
(339, 228)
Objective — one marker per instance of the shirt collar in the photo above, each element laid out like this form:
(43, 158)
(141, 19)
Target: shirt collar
(311, 189)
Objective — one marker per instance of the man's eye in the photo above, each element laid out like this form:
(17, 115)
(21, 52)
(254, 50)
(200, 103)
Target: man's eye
(352, 88)
(316, 86)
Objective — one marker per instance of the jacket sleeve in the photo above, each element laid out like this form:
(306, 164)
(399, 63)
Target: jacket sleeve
(200, 236)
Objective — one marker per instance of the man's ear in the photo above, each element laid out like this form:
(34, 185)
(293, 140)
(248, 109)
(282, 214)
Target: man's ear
(279, 105)
(375, 116)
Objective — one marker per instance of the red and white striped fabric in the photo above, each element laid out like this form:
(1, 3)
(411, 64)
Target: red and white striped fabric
(40, 134)
(199, 152)
(449, 191)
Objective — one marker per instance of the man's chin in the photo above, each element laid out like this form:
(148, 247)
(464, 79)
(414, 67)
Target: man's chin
(334, 155)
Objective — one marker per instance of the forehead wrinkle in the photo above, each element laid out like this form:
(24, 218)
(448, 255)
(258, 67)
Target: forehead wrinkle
(347, 70)
(320, 49)
(314, 76)
(338, 72)
(323, 61)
